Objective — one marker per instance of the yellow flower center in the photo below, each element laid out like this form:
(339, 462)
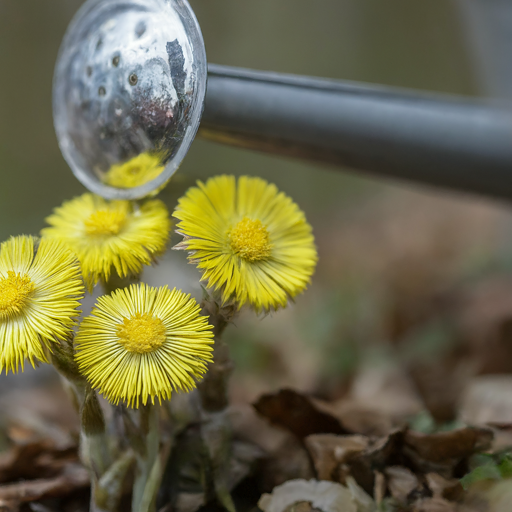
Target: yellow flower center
(142, 333)
(250, 240)
(105, 222)
(15, 290)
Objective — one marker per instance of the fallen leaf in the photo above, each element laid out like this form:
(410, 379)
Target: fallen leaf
(321, 495)
(298, 414)
(283, 456)
(402, 482)
(183, 481)
(450, 489)
(329, 451)
(434, 505)
(288, 462)
(381, 453)
(39, 459)
(444, 451)
(72, 478)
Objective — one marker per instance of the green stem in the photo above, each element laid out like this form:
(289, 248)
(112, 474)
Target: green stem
(149, 471)
(213, 389)
(107, 491)
(95, 452)
(216, 431)
(94, 448)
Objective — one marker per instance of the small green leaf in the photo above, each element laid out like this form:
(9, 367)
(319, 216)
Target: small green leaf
(486, 472)
(505, 467)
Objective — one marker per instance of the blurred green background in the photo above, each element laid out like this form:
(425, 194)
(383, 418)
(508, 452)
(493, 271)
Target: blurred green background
(367, 230)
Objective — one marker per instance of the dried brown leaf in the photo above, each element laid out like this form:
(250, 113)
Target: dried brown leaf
(39, 459)
(382, 452)
(298, 414)
(449, 446)
(442, 452)
(434, 505)
(329, 451)
(72, 478)
(402, 483)
(288, 462)
(449, 489)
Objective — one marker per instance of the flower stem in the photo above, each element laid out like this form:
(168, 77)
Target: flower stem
(216, 431)
(213, 389)
(148, 471)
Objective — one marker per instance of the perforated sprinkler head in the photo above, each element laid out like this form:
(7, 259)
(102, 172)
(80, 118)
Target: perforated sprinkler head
(128, 93)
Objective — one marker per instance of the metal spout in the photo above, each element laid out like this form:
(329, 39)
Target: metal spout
(446, 142)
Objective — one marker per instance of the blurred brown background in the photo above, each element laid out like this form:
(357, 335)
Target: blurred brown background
(383, 246)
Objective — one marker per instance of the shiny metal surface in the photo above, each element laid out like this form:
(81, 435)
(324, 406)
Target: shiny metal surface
(128, 93)
(430, 139)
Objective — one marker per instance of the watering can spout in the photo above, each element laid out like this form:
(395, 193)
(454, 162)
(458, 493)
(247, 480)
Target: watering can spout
(442, 141)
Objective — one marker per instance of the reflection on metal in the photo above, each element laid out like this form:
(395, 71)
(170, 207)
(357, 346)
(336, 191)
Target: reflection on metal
(135, 172)
(428, 139)
(129, 90)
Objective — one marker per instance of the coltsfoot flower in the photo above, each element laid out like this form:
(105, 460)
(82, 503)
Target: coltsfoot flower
(135, 172)
(40, 291)
(143, 342)
(110, 235)
(251, 241)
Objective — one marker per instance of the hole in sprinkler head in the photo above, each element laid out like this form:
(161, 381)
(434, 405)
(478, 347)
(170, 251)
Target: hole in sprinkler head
(102, 91)
(133, 79)
(99, 44)
(140, 29)
(88, 70)
(115, 60)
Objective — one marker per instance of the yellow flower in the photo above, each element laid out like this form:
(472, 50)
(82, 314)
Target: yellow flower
(135, 172)
(40, 291)
(143, 342)
(251, 241)
(110, 235)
